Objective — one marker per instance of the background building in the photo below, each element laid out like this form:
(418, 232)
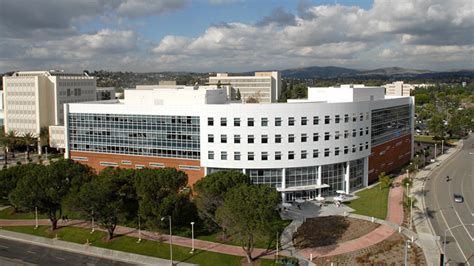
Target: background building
(338, 139)
(399, 88)
(105, 93)
(264, 86)
(35, 99)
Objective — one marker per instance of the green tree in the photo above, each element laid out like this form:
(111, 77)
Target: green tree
(436, 126)
(300, 91)
(210, 192)
(248, 214)
(110, 197)
(9, 177)
(29, 140)
(12, 141)
(385, 180)
(4, 141)
(239, 96)
(44, 137)
(158, 192)
(422, 98)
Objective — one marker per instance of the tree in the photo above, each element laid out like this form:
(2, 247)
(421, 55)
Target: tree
(110, 197)
(4, 141)
(158, 192)
(29, 140)
(300, 91)
(385, 180)
(12, 141)
(9, 177)
(44, 137)
(211, 190)
(421, 98)
(238, 96)
(249, 214)
(436, 125)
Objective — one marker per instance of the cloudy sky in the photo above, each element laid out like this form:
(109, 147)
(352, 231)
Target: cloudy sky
(235, 35)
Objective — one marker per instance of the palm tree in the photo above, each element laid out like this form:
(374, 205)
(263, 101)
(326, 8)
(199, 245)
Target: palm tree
(4, 141)
(12, 141)
(29, 140)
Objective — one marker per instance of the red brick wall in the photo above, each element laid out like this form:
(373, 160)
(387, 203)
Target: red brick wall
(389, 156)
(94, 159)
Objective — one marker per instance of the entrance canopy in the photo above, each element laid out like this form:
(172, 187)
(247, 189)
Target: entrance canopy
(300, 188)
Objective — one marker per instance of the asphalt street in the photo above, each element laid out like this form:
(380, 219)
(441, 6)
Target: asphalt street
(444, 213)
(20, 253)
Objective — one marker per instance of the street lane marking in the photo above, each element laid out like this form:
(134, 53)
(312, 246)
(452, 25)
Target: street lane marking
(32, 252)
(59, 258)
(1, 246)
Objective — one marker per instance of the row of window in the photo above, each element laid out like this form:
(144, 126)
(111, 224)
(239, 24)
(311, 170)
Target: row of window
(291, 120)
(264, 156)
(291, 137)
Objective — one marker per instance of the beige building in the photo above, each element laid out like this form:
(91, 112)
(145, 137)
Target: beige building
(399, 88)
(35, 99)
(264, 86)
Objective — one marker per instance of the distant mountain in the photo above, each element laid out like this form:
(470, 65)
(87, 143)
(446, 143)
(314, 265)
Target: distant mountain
(394, 71)
(318, 72)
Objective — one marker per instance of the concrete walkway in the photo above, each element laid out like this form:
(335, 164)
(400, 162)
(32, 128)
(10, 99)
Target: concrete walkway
(149, 235)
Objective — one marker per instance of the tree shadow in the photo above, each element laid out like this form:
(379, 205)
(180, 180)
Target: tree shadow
(320, 231)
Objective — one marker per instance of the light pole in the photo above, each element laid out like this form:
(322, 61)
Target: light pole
(92, 224)
(411, 211)
(408, 173)
(139, 230)
(192, 237)
(36, 217)
(442, 146)
(435, 151)
(278, 243)
(407, 246)
(444, 244)
(171, 238)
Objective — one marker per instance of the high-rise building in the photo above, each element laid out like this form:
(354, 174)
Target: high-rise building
(399, 88)
(340, 138)
(35, 99)
(263, 87)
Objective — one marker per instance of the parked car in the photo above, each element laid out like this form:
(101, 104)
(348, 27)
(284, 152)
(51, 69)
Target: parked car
(458, 198)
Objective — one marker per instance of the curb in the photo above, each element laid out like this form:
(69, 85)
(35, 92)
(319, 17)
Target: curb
(87, 250)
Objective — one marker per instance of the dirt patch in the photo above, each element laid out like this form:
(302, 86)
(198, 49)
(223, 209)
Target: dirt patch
(391, 251)
(324, 231)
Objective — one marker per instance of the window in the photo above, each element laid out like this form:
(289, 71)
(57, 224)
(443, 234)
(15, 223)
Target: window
(291, 121)
(304, 121)
(237, 139)
(353, 148)
(291, 138)
(315, 120)
(354, 117)
(291, 155)
(337, 119)
(361, 147)
(250, 122)
(346, 149)
(361, 132)
(223, 122)
(250, 156)
(210, 138)
(250, 139)
(304, 154)
(264, 156)
(264, 138)
(346, 118)
(346, 134)
(277, 155)
(304, 137)
(223, 138)
(277, 121)
(336, 151)
(327, 119)
(223, 155)
(237, 156)
(210, 155)
(236, 122)
(277, 138)
(354, 133)
(337, 135)
(315, 136)
(367, 131)
(264, 122)
(326, 152)
(315, 153)
(326, 135)
(210, 121)
(361, 117)
(366, 115)
(366, 145)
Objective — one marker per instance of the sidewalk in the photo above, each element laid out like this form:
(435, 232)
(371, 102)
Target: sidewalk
(149, 235)
(427, 240)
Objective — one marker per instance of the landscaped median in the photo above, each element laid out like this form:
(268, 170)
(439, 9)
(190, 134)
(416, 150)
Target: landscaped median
(129, 244)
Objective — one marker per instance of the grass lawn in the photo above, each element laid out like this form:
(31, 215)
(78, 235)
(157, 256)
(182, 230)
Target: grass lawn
(424, 138)
(9, 213)
(371, 202)
(128, 244)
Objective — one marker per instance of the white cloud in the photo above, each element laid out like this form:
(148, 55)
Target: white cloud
(137, 8)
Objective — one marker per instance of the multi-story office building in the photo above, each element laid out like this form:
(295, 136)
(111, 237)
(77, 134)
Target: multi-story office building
(399, 88)
(265, 87)
(35, 99)
(338, 139)
(2, 115)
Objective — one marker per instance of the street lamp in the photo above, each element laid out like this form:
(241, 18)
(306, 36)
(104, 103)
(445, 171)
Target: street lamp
(442, 146)
(171, 238)
(192, 237)
(139, 231)
(445, 232)
(407, 246)
(92, 224)
(36, 217)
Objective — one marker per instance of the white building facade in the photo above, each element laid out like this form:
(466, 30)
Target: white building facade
(265, 87)
(399, 88)
(303, 148)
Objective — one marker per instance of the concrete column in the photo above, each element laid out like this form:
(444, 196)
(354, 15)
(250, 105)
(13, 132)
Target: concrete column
(346, 177)
(243, 171)
(365, 181)
(283, 184)
(319, 181)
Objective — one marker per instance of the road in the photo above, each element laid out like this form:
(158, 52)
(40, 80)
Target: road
(444, 213)
(20, 253)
